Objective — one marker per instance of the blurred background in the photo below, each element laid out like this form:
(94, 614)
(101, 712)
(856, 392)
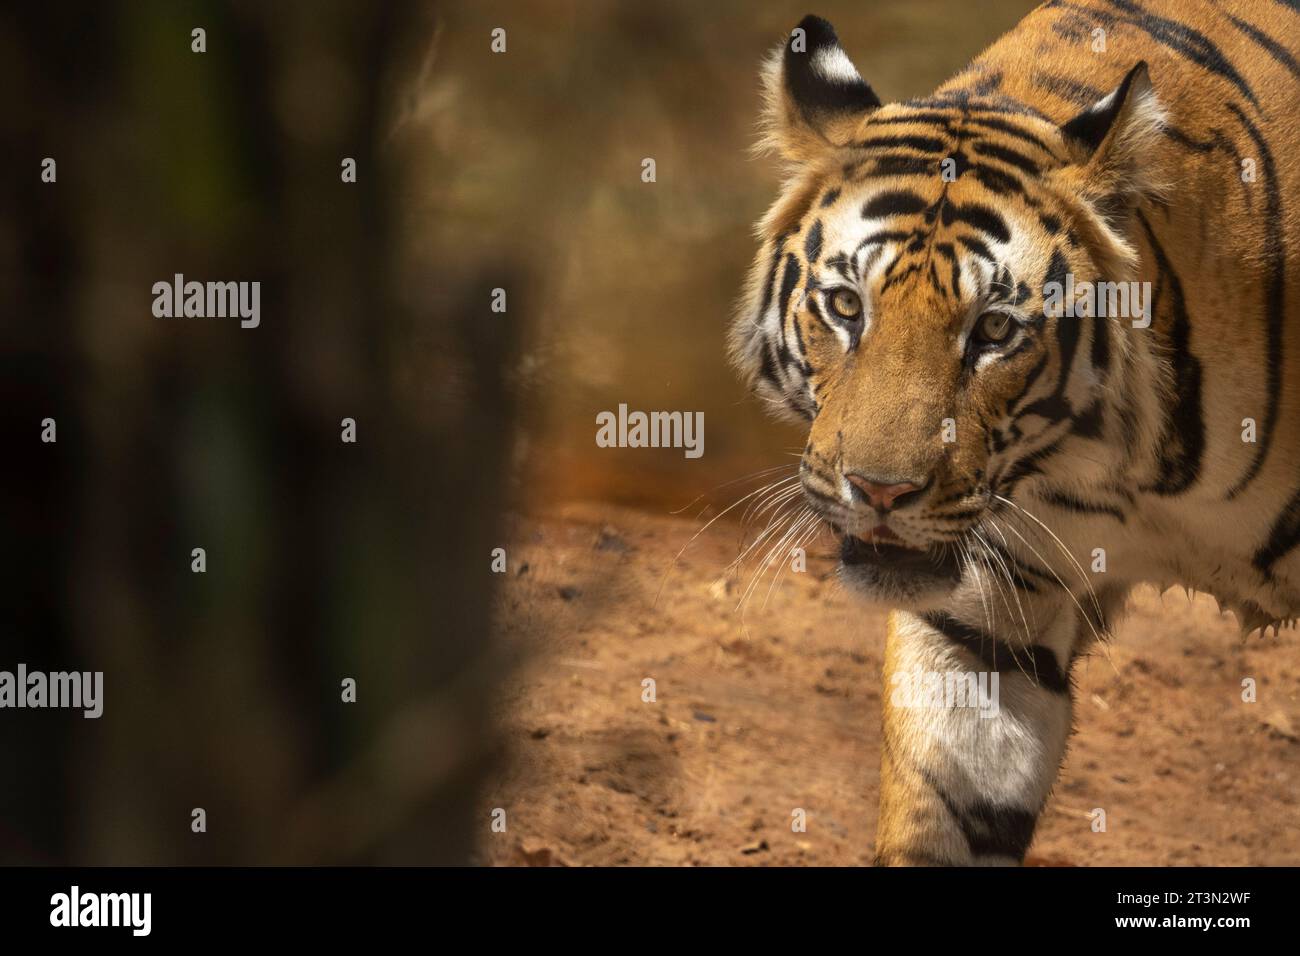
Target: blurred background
(477, 170)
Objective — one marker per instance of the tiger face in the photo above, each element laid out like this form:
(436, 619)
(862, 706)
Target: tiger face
(904, 300)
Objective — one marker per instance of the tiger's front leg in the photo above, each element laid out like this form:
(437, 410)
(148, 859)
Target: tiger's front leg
(963, 782)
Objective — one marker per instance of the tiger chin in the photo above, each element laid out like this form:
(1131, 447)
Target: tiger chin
(899, 575)
(1028, 321)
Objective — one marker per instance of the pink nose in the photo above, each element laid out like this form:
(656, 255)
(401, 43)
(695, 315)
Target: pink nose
(883, 497)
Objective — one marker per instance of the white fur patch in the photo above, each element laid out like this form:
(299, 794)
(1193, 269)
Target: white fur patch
(832, 64)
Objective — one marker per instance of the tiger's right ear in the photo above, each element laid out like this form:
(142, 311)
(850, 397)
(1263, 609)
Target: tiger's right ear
(814, 96)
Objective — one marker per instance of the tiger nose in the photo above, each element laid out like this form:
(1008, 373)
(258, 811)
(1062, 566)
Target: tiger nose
(885, 496)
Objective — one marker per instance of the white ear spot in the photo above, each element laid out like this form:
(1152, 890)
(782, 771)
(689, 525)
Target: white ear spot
(832, 64)
(1105, 104)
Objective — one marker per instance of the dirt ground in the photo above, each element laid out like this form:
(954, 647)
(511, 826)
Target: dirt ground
(758, 715)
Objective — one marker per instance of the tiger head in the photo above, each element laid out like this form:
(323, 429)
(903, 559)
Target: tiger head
(902, 301)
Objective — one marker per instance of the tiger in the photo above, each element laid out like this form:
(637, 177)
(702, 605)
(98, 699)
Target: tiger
(1003, 445)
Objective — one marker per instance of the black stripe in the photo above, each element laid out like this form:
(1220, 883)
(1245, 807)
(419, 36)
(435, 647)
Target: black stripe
(1054, 408)
(1018, 572)
(1066, 88)
(812, 245)
(1031, 464)
(1186, 141)
(903, 166)
(1274, 49)
(980, 217)
(1030, 379)
(840, 263)
(883, 236)
(991, 830)
(789, 280)
(1011, 129)
(811, 305)
(900, 276)
(960, 161)
(895, 202)
(1182, 442)
(923, 144)
(1274, 299)
(1071, 26)
(923, 116)
(967, 100)
(1188, 41)
(987, 84)
(1057, 271)
(1216, 141)
(1034, 661)
(997, 181)
(818, 495)
(935, 282)
(893, 264)
(1282, 537)
(1068, 330)
(1101, 347)
(768, 369)
(1023, 571)
(1068, 502)
(778, 247)
(1024, 346)
(978, 248)
(977, 79)
(1127, 411)
(869, 260)
(1090, 423)
(1008, 156)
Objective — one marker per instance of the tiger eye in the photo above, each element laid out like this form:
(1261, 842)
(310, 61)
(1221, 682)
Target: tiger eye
(846, 303)
(993, 327)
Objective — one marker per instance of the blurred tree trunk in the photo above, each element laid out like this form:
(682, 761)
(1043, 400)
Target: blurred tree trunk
(326, 560)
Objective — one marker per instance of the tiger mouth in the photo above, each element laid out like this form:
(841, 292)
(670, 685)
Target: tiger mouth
(894, 556)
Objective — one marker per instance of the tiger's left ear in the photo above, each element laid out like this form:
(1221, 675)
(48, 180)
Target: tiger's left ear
(1111, 142)
(814, 96)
